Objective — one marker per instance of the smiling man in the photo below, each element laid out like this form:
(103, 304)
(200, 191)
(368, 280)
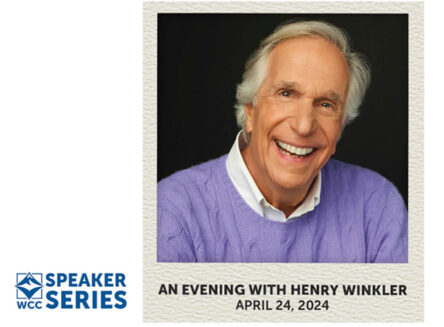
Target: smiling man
(277, 196)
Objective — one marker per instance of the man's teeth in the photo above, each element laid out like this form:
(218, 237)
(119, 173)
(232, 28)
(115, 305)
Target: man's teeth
(292, 150)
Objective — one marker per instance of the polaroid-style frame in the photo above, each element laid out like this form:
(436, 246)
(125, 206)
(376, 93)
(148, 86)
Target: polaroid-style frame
(165, 296)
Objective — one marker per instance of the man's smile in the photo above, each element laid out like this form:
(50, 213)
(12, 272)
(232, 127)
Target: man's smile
(293, 151)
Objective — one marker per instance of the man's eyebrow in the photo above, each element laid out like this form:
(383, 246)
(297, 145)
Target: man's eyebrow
(333, 96)
(287, 85)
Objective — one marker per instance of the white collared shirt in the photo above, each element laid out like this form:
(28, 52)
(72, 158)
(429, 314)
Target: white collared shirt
(247, 188)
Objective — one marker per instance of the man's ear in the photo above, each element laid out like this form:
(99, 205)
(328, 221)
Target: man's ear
(249, 114)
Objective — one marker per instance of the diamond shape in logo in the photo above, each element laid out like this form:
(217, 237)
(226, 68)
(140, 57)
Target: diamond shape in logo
(29, 285)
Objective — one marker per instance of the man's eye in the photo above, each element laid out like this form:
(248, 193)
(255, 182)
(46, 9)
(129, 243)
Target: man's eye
(286, 93)
(326, 104)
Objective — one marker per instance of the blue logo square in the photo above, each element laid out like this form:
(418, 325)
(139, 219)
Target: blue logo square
(29, 286)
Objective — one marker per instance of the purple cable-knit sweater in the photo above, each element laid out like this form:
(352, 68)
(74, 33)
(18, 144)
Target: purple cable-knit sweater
(202, 218)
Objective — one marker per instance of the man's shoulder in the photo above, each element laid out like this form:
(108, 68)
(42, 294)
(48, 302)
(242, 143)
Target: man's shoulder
(357, 178)
(196, 174)
(340, 167)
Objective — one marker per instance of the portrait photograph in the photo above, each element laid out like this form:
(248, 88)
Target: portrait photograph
(342, 202)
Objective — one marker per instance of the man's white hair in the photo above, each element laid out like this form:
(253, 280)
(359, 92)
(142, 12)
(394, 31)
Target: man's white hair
(256, 67)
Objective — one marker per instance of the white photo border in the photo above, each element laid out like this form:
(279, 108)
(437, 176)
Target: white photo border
(177, 308)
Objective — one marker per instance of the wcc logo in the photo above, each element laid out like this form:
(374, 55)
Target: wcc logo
(29, 290)
(102, 290)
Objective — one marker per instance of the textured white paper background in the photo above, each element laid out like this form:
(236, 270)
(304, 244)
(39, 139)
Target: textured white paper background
(343, 308)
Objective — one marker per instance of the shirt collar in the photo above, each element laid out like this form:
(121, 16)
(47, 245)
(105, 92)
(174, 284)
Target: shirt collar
(247, 188)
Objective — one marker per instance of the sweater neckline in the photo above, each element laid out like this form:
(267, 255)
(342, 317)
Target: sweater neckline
(240, 203)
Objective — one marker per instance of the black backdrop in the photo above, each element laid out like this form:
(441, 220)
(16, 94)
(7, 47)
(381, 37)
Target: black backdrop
(201, 58)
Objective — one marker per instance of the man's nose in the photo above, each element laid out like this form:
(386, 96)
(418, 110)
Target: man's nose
(303, 120)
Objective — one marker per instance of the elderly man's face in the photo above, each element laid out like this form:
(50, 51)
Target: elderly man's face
(297, 118)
